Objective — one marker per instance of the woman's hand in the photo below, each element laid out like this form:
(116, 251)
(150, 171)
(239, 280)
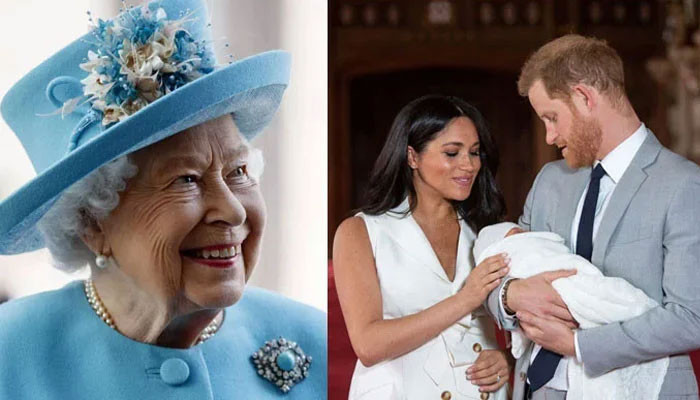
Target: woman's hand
(490, 371)
(484, 278)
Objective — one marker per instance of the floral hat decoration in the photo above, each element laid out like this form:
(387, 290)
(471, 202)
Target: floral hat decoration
(139, 57)
(134, 80)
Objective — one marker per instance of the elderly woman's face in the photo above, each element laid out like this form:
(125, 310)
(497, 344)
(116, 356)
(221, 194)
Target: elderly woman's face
(189, 225)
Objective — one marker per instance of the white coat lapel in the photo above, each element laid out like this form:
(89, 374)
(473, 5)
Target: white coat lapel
(465, 260)
(624, 191)
(406, 232)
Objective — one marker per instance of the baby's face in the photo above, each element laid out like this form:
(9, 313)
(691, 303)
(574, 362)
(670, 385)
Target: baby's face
(514, 231)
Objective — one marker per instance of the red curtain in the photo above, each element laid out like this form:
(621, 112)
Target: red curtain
(341, 357)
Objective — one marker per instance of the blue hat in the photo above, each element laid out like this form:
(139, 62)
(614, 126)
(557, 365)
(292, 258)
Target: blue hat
(135, 80)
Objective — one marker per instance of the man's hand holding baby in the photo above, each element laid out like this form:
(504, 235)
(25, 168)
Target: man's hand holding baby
(542, 313)
(551, 334)
(536, 295)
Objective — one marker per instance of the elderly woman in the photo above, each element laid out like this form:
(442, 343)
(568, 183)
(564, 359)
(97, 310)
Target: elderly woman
(147, 177)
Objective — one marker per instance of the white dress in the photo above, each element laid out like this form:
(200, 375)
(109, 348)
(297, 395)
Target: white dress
(411, 279)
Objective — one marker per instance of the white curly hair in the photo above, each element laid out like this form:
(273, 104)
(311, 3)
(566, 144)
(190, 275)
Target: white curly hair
(92, 199)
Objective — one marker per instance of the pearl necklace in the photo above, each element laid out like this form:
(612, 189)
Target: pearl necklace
(96, 303)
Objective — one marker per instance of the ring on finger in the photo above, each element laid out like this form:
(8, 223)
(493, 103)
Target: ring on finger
(498, 378)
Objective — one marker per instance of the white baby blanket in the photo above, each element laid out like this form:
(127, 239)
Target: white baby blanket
(594, 300)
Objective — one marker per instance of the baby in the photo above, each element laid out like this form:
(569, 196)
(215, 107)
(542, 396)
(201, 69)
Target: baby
(592, 298)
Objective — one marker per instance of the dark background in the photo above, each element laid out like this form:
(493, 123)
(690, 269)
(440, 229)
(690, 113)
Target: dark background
(385, 53)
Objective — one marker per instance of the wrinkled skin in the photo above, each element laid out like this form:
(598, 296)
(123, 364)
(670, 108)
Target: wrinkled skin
(192, 191)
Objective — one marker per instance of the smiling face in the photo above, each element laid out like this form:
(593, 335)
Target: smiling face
(449, 164)
(191, 199)
(579, 138)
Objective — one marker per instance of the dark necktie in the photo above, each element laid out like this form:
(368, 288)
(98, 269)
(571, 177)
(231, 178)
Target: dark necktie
(545, 363)
(584, 239)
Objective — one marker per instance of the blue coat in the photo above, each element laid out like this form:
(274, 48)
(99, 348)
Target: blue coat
(54, 346)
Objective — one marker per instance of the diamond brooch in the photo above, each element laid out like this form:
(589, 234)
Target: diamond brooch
(282, 362)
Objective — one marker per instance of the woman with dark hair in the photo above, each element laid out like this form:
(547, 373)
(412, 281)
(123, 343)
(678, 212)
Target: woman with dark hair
(409, 291)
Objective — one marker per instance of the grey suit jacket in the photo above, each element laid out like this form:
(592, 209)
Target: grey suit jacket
(650, 236)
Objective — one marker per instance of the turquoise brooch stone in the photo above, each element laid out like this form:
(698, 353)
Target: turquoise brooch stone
(286, 360)
(282, 362)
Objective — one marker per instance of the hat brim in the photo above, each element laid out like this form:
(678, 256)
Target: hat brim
(250, 90)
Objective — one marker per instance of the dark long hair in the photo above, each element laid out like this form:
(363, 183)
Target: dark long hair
(416, 125)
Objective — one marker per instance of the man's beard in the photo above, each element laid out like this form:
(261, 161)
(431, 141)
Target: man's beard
(584, 142)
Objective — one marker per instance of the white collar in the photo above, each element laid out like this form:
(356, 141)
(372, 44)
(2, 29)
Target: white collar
(405, 231)
(617, 161)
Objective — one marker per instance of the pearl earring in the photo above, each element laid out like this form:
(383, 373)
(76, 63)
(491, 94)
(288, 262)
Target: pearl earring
(101, 261)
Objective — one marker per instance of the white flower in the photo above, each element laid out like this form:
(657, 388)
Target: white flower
(96, 85)
(134, 61)
(94, 61)
(156, 62)
(99, 104)
(160, 14)
(113, 113)
(145, 69)
(163, 46)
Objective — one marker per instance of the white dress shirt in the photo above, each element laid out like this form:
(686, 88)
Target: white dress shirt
(615, 164)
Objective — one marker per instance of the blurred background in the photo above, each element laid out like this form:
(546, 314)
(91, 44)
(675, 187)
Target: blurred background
(294, 145)
(384, 53)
